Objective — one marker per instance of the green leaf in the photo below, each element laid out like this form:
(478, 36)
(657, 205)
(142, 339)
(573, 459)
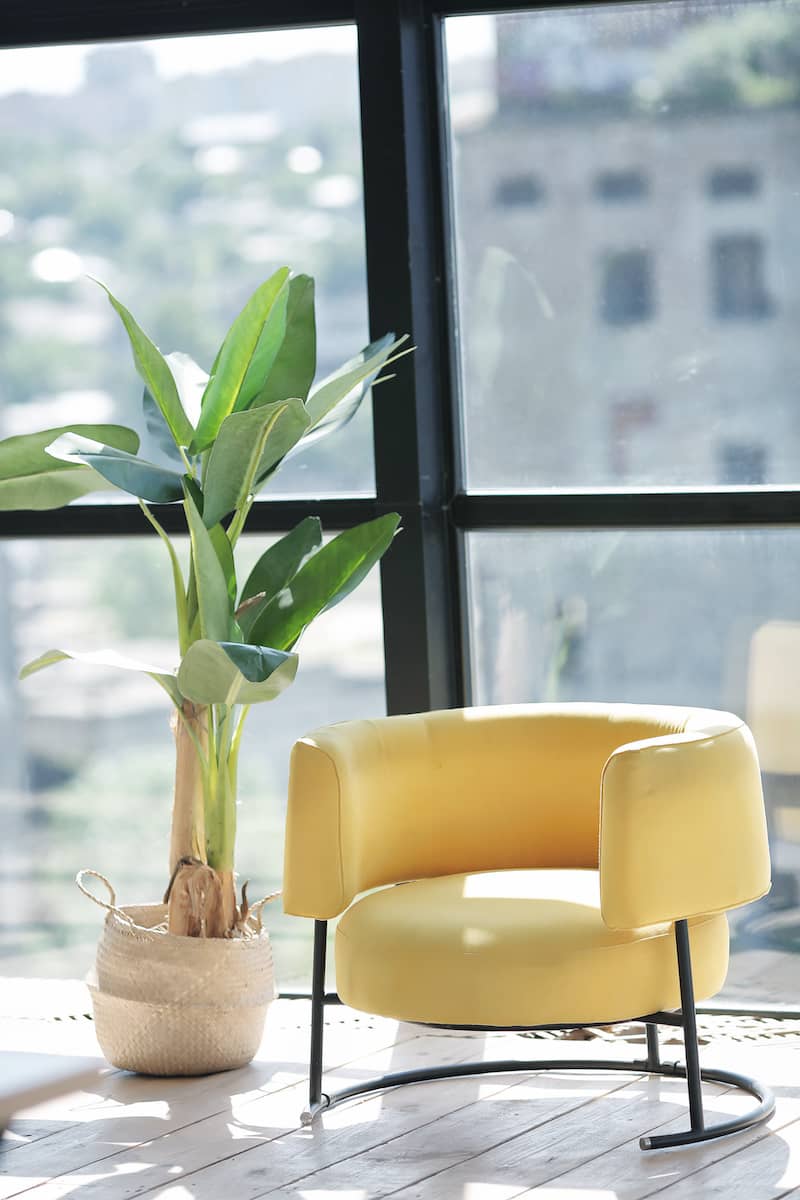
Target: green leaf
(245, 357)
(229, 673)
(365, 366)
(276, 567)
(190, 380)
(328, 576)
(293, 370)
(178, 585)
(158, 433)
(247, 446)
(159, 485)
(154, 370)
(212, 587)
(31, 479)
(224, 553)
(107, 658)
(283, 559)
(52, 489)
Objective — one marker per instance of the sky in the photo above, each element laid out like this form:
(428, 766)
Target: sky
(59, 69)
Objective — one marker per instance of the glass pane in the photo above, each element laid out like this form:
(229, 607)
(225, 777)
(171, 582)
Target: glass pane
(700, 618)
(625, 182)
(87, 755)
(181, 172)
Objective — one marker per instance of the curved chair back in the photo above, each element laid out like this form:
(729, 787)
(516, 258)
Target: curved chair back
(405, 797)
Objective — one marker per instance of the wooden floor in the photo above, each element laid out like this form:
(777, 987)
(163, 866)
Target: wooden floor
(238, 1135)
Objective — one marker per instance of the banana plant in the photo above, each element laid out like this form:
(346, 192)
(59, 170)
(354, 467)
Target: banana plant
(210, 443)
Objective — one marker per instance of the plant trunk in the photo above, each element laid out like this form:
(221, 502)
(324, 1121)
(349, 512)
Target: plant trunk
(188, 809)
(201, 900)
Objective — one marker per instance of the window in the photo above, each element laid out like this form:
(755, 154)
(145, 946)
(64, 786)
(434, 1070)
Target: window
(733, 183)
(232, 164)
(737, 277)
(231, 155)
(601, 401)
(620, 187)
(601, 444)
(519, 191)
(89, 759)
(626, 287)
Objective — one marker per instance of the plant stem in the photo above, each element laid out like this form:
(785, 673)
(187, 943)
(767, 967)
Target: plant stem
(221, 808)
(188, 809)
(239, 518)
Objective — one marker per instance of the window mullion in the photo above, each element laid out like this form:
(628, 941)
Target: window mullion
(406, 281)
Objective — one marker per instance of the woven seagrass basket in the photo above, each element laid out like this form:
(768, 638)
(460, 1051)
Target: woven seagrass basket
(170, 1005)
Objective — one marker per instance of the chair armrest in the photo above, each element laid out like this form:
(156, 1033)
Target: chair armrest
(682, 827)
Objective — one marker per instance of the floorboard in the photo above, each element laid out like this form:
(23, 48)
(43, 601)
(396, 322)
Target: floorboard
(550, 1136)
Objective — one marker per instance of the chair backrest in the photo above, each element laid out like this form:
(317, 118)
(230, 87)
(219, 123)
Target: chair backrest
(377, 802)
(683, 831)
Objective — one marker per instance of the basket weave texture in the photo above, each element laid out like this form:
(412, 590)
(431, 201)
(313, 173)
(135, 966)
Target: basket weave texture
(170, 1005)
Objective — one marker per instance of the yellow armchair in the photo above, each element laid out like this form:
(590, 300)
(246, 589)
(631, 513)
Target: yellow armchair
(561, 865)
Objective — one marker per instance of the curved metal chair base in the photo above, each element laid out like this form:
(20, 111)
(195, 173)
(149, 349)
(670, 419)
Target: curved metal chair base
(762, 1112)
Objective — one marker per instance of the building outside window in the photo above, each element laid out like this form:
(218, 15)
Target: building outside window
(738, 277)
(620, 187)
(733, 183)
(626, 287)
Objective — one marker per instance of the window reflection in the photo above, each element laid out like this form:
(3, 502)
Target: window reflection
(694, 618)
(87, 758)
(665, 262)
(182, 172)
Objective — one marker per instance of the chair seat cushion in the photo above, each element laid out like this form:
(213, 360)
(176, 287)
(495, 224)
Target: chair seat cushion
(520, 947)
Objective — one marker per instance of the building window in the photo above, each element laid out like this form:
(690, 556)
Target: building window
(620, 187)
(742, 462)
(737, 276)
(626, 287)
(519, 191)
(733, 183)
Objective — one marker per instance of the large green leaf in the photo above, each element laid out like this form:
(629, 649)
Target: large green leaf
(282, 561)
(245, 357)
(365, 365)
(31, 479)
(293, 370)
(107, 658)
(191, 381)
(224, 552)
(230, 673)
(247, 446)
(131, 474)
(155, 371)
(213, 601)
(328, 576)
(158, 436)
(50, 489)
(276, 567)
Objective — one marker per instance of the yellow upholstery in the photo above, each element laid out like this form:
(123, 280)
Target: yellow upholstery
(511, 798)
(512, 948)
(683, 830)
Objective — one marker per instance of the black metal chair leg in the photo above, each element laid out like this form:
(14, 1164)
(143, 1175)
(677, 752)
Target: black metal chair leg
(699, 1132)
(653, 1055)
(689, 1015)
(316, 1099)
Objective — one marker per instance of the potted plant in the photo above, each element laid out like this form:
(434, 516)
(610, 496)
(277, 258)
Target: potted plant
(182, 986)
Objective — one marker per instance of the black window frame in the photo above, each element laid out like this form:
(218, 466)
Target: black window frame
(410, 271)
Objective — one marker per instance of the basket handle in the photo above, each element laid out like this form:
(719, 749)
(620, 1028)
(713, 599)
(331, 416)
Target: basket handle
(109, 905)
(255, 910)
